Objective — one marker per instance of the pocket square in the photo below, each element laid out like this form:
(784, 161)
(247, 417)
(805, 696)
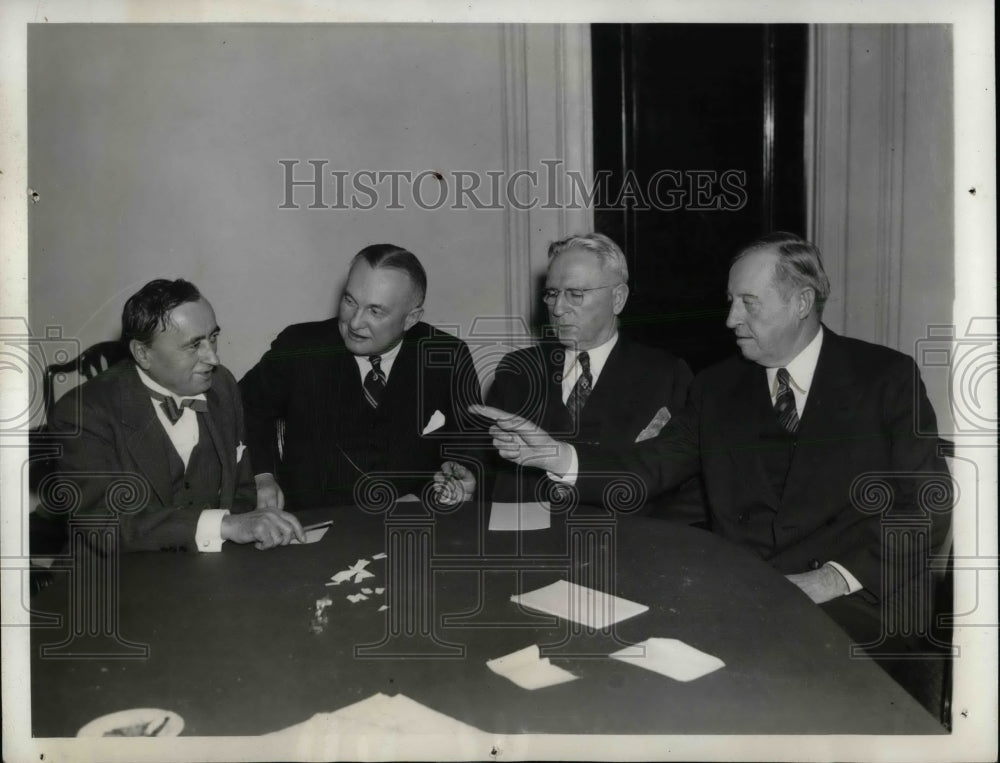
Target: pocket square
(653, 427)
(239, 451)
(436, 422)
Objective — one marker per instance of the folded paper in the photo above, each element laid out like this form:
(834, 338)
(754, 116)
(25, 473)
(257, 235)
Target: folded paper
(670, 657)
(312, 536)
(528, 670)
(518, 517)
(594, 609)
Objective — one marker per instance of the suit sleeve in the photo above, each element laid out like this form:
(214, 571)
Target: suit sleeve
(920, 493)
(463, 433)
(92, 468)
(265, 389)
(686, 503)
(653, 466)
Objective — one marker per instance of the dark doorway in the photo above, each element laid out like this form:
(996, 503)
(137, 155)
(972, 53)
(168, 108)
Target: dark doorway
(698, 149)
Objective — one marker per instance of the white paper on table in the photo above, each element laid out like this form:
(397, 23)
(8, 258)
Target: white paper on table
(671, 657)
(579, 604)
(372, 719)
(525, 668)
(312, 536)
(530, 515)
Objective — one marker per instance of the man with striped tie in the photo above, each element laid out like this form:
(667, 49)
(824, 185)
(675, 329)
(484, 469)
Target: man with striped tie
(782, 436)
(158, 439)
(590, 383)
(368, 396)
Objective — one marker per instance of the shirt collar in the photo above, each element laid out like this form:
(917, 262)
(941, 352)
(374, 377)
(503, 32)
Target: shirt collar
(389, 355)
(802, 367)
(148, 382)
(598, 356)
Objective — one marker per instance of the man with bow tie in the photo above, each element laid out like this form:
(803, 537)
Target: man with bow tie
(369, 397)
(781, 437)
(169, 419)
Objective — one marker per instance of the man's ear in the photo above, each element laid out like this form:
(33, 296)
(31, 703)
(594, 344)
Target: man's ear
(140, 352)
(805, 303)
(412, 317)
(620, 296)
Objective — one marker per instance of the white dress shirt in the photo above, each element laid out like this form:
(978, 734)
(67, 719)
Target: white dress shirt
(184, 437)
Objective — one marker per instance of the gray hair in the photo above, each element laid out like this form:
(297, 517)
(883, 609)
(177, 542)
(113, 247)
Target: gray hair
(607, 251)
(799, 265)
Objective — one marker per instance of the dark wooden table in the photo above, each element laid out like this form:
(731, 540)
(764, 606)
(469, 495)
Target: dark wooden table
(234, 647)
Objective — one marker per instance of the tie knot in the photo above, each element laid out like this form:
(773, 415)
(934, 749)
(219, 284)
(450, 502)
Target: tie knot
(584, 360)
(376, 361)
(783, 377)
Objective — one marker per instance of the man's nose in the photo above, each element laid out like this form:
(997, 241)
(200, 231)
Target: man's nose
(734, 318)
(209, 355)
(356, 320)
(561, 306)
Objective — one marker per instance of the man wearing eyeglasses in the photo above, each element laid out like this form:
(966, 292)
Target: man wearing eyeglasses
(589, 383)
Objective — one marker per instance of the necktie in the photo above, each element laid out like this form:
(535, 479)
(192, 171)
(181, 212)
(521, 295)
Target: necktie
(581, 390)
(174, 411)
(375, 382)
(784, 403)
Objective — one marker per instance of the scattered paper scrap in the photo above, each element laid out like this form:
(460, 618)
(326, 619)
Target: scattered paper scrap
(354, 598)
(366, 590)
(356, 571)
(594, 609)
(526, 669)
(380, 590)
(514, 517)
(379, 555)
(320, 618)
(383, 608)
(671, 657)
(323, 603)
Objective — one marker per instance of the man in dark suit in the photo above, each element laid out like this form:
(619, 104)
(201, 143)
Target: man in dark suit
(373, 392)
(782, 437)
(159, 438)
(591, 384)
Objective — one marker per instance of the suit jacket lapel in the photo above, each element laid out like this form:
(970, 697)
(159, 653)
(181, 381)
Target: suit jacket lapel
(147, 442)
(221, 425)
(749, 402)
(831, 402)
(556, 415)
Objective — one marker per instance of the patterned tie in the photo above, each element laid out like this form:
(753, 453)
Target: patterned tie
(784, 403)
(174, 411)
(375, 381)
(581, 390)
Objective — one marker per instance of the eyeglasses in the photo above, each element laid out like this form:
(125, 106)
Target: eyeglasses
(573, 296)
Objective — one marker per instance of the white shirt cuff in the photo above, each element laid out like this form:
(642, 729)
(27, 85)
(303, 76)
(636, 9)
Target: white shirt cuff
(853, 584)
(569, 478)
(208, 535)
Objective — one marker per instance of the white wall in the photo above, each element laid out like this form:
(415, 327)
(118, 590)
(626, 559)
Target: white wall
(883, 192)
(155, 152)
